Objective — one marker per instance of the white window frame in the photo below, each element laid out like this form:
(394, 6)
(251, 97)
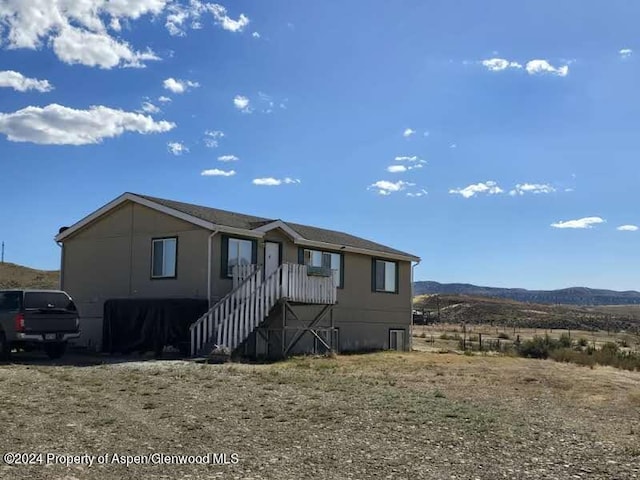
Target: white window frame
(236, 239)
(385, 288)
(164, 241)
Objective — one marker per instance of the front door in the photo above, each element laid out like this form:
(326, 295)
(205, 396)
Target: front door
(271, 258)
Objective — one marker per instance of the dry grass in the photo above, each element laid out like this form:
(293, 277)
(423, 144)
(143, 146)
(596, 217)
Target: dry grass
(385, 415)
(444, 336)
(16, 276)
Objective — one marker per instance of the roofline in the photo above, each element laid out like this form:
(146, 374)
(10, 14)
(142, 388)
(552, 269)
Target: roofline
(281, 225)
(363, 251)
(255, 233)
(154, 206)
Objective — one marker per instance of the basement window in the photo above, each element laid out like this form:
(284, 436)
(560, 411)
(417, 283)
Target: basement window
(385, 276)
(164, 257)
(396, 339)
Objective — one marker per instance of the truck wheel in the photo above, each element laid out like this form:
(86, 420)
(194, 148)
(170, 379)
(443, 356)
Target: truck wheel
(5, 350)
(55, 350)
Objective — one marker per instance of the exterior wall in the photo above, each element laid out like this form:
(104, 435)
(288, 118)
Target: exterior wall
(364, 318)
(111, 258)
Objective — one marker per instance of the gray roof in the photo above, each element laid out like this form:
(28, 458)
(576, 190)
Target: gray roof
(250, 222)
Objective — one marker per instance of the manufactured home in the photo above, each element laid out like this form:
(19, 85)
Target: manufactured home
(268, 287)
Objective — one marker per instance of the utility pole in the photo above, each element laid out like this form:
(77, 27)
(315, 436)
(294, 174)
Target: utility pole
(2, 258)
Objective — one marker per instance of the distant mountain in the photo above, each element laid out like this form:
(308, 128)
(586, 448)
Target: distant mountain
(566, 296)
(17, 276)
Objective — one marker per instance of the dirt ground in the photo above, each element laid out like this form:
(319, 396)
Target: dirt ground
(383, 415)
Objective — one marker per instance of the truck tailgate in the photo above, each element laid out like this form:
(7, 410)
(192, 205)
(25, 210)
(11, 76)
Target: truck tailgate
(40, 321)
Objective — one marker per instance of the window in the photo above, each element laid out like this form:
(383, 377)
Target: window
(48, 300)
(164, 256)
(396, 339)
(10, 301)
(239, 252)
(331, 262)
(385, 276)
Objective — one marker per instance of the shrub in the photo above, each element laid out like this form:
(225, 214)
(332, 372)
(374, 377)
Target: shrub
(565, 340)
(503, 335)
(583, 342)
(449, 336)
(610, 348)
(537, 347)
(609, 355)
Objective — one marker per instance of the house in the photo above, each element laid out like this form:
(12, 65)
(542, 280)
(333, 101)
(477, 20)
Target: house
(273, 287)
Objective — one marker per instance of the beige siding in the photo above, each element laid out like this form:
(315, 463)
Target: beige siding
(111, 258)
(364, 317)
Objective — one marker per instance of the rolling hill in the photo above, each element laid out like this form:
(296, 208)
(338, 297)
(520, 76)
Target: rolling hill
(566, 296)
(505, 312)
(17, 276)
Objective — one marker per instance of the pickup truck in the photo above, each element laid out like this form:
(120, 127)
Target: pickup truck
(31, 319)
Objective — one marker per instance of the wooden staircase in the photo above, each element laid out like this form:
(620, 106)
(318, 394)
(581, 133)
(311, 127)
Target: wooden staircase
(230, 321)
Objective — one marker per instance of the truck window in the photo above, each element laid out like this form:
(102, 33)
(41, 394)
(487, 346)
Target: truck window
(10, 301)
(47, 300)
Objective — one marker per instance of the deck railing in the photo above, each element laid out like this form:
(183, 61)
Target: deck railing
(230, 321)
(240, 272)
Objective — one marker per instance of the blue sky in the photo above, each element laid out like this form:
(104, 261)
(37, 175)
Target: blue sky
(496, 140)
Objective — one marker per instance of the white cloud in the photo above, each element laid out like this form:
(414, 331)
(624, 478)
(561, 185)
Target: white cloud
(402, 168)
(274, 182)
(163, 99)
(499, 64)
(386, 187)
(228, 158)
(59, 125)
(586, 222)
(408, 132)
(533, 67)
(226, 22)
(73, 45)
(453, 145)
(189, 15)
(489, 187)
(627, 228)
(536, 188)
(179, 86)
(216, 172)
(177, 148)
(242, 103)
(17, 81)
(78, 31)
(625, 52)
(181, 16)
(212, 138)
(420, 193)
(413, 158)
(255, 35)
(536, 67)
(148, 107)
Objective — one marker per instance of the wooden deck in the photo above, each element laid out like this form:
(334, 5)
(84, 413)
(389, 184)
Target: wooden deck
(230, 321)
